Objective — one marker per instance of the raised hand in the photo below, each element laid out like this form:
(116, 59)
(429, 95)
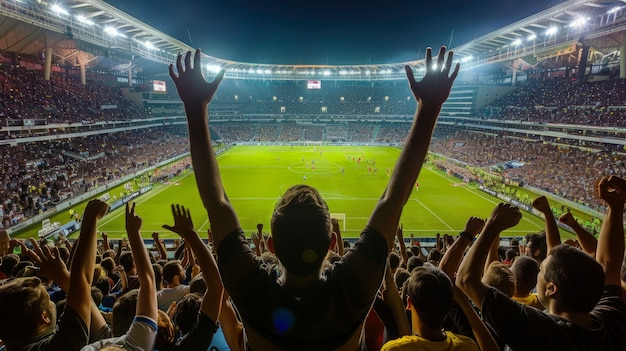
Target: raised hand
(133, 221)
(567, 218)
(192, 88)
(541, 204)
(474, 225)
(613, 191)
(183, 224)
(434, 88)
(95, 209)
(50, 263)
(504, 216)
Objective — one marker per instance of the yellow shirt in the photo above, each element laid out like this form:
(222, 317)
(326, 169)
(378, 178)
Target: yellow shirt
(417, 343)
(531, 300)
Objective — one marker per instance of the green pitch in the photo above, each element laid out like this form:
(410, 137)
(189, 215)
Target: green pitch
(255, 177)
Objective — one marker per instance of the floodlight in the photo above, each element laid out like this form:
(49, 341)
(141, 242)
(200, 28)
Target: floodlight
(267, 71)
(251, 70)
(343, 73)
(531, 37)
(517, 42)
(213, 68)
(467, 58)
(113, 32)
(326, 73)
(259, 71)
(579, 22)
(149, 45)
(613, 10)
(59, 10)
(551, 31)
(84, 20)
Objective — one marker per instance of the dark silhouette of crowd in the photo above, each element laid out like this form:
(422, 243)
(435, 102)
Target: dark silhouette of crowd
(302, 287)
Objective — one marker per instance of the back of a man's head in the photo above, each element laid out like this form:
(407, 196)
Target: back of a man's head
(394, 261)
(124, 311)
(8, 263)
(186, 312)
(22, 303)
(525, 270)
(414, 262)
(301, 230)
(127, 261)
(500, 277)
(430, 291)
(578, 277)
(170, 270)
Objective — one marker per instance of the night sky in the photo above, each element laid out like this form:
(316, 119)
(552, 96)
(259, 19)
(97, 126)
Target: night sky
(327, 31)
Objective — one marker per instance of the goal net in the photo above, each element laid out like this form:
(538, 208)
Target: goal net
(341, 218)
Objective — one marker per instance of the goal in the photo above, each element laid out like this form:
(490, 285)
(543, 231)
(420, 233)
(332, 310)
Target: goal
(341, 217)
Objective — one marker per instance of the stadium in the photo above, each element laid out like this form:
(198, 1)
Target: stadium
(549, 89)
(91, 124)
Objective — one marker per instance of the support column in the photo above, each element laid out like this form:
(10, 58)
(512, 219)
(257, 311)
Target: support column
(83, 75)
(514, 78)
(622, 58)
(582, 64)
(130, 77)
(47, 68)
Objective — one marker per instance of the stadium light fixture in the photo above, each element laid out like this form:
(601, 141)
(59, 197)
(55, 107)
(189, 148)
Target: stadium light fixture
(326, 73)
(113, 32)
(213, 68)
(84, 20)
(267, 71)
(343, 73)
(467, 58)
(613, 10)
(551, 31)
(517, 42)
(259, 71)
(531, 37)
(579, 22)
(149, 45)
(59, 10)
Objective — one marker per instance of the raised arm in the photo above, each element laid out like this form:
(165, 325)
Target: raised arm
(337, 231)
(212, 303)
(183, 226)
(468, 277)
(553, 238)
(610, 253)
(159, 246)
(84, 261)
(430, 94)
(587, 241)
(196, 94)
(146, 298)
(402, 244)
(453, 256)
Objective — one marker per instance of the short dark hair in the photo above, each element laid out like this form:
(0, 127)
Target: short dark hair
(430, 291)
(158, 275)
(401, 276)
(124, 311)
(170, 270)
(414, 262)
(109, 264)
(434, 255)
(301, 230)
(96, 295)
(510, 254)
(525, 270)
(578, 276)
(8, 263)
(127, 261)
(394, 260)
(22, 301)
(536, 244)
(186, 312)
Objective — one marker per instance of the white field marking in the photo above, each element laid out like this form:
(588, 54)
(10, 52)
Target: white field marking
(140, 200)
(156, 192)
(479, 194)
(434, 214)
(203, 224)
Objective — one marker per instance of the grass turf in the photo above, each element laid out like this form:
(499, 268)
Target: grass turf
(255, 177)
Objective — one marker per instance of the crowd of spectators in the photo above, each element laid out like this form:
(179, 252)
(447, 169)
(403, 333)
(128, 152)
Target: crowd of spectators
(35, 176)
(302, 287)
(569, 172)
(26, 95)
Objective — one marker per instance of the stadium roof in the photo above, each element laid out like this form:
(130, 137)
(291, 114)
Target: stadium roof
(97, 34)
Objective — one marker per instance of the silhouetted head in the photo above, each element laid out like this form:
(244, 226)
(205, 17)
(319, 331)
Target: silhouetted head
(301, 230)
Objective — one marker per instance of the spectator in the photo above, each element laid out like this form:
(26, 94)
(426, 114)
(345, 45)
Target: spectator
(174, 274)
(273, 308)
(585, 309)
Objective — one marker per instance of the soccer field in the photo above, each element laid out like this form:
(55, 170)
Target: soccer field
(255, 177)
